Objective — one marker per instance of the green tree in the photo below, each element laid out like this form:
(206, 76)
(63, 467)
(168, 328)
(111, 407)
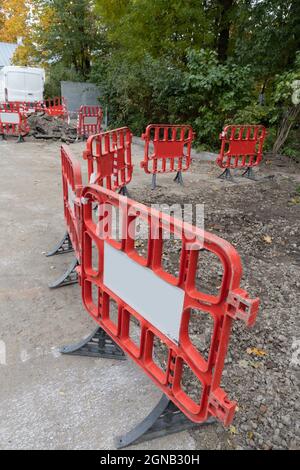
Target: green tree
(67, 33)
(161, 28)
(287, 98)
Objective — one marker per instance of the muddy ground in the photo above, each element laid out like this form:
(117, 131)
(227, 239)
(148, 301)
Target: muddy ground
(53, 401)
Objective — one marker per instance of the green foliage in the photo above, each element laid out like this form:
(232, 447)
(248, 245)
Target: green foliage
(160, 28)
(58, 73)
(67, 33)
(215, 92)
(267, 36)
(201, 62)
(287, 84)
(137, 93)
(152, 90)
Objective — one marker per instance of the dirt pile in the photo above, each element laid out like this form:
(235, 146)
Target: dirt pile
(43, 126)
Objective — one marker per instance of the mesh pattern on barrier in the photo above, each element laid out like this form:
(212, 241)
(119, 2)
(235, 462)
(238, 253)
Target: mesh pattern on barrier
(167, 148)
(241, 146)
(126, 290)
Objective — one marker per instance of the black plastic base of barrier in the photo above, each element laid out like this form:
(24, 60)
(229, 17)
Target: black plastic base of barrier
(68, 278)
(3, 137)
(249, 173)
(153, 183)
(124, 191)
(178, 178)
(164, 419)
(20, 139)
(98, 344)
(64, 246)
(226, 175)
(81, 138)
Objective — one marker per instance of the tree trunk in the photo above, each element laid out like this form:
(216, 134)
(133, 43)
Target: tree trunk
(285, 127)
(224, 29)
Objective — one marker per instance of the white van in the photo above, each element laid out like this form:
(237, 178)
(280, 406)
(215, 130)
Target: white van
(21, 84)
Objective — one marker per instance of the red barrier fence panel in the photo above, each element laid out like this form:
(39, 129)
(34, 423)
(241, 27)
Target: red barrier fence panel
(89, 121)
(109, 159)
(167, 149)
(54, 107)
(14, 106)
(13, 122)
(126, 290)
(72, 187)
(242, 147)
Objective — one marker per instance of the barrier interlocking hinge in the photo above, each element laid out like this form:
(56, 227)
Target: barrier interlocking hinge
(241, 307)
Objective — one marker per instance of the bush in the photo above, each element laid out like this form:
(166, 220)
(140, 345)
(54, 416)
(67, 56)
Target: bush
(54, 75)
(205, 94)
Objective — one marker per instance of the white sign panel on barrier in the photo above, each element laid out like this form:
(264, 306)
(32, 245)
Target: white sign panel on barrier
(9, 118)
(153, 298)
(90, 120)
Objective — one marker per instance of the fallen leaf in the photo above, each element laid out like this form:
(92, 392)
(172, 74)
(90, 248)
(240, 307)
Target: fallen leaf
(255, 365)
(250, 434)
(267, 239)
(232, 430)
(295, 200)
(256, 352)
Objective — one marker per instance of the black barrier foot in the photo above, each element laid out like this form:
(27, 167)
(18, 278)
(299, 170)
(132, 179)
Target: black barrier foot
(226, 175)
(178, 178)
(249, 173)
(20, 139)
(98, 344)
(164, 419)
(153, 184)
(3, 137)
(68, 278)
(64, 246)
(124, 191)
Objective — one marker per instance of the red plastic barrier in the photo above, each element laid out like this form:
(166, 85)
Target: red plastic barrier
(89, 121)
(16, 106)
(167, 148)
(72, 188)
(13, 122)
(54, 107)
(114, 272)
(241, 146)
(109, 158)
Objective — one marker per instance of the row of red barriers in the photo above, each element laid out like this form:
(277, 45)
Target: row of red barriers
(52, 106)
(135, 300)
(89, 117)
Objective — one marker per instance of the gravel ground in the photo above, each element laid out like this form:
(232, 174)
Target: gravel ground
(262, 369)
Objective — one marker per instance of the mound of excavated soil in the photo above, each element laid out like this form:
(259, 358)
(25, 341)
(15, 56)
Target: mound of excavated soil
(43, 126)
